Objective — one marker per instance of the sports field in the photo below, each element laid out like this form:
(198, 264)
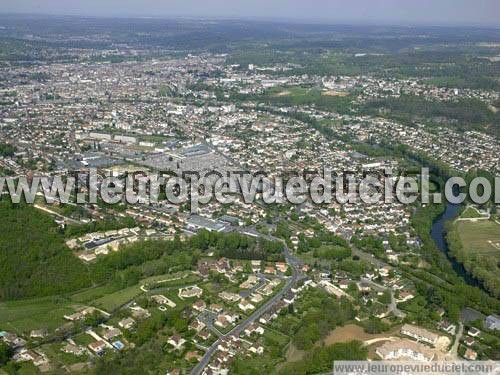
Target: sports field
(482, 237)
(478, 249)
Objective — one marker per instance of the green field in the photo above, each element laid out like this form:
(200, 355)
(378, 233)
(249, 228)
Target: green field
(91, 294)
(324, 100)
(476, 244)
(83, 339)
(48, 312)
(170, 280)
(470, 213)
(27, 368)
(111, 302)
(482, 237)
(280, 338)
(26, 315)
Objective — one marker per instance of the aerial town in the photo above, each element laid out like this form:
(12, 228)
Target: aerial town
(245, 287)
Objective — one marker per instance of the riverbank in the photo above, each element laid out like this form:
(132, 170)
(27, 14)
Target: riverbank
(439, 232)
(439, 277)
(476, 245)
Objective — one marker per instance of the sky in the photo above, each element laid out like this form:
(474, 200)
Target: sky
(397, 12)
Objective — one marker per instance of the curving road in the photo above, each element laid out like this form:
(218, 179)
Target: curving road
(293, 263)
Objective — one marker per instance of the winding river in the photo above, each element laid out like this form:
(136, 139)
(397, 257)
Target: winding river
(438, 234)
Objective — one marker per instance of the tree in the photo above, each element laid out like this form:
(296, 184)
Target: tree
(320, 359)
(34, 260)
(307, 336)
(283, 230)
(7, 150)
(375, 325)
(94, 319)
(333, 252)
(385, 298)
(5, 353)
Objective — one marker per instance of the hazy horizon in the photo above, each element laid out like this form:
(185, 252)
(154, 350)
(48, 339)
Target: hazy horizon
(481, 13)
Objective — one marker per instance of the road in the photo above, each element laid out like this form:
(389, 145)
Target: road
(208, 318)
(392, 306)
(394, 309)
(68, 219)
(293, 263)
(454, 349)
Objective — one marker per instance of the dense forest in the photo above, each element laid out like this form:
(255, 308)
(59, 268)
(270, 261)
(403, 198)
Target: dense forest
(239, 246)
(34, 260)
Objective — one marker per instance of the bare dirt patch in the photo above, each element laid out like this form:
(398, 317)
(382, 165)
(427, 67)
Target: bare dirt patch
(284, 93)
(443, 343)
(334, 93)
(293, 354)
(353, 332)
